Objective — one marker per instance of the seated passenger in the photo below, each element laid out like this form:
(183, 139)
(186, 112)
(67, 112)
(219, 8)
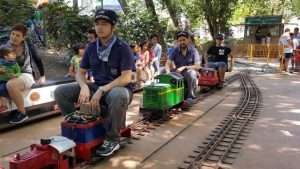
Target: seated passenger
(91, 37)
(31, 69)
(111, 62)
(76, 59)
(219, 58)
(9, 68)
(186, 61)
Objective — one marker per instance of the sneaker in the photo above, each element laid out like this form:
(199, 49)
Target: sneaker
(220, 85)
(108, 148)
(18, 118)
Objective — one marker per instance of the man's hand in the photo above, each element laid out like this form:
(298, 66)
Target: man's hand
(84, 95)
(95, 101)
(41, 80)
(179, 70)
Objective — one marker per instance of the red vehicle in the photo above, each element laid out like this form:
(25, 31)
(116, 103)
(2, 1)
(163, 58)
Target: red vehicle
(78, 142)
(208, 77)
(297, 60)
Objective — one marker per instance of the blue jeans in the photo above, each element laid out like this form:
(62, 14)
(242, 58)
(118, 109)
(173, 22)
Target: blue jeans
(3, 89)
(114, 105)
(217, 65)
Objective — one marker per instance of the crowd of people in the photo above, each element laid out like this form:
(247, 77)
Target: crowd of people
(291, 43)
(103, 69)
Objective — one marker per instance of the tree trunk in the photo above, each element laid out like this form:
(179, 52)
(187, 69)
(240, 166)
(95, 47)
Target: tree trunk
(75, 4)
(150, 6)
(172, 11)
(124, 6)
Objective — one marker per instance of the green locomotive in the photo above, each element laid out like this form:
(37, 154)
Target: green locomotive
(164, 94)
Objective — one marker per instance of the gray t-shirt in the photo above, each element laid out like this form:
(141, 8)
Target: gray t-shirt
(24, 60)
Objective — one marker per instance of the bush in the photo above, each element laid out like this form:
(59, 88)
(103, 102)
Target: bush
(65, 26)
(15, 11)
(137, 25)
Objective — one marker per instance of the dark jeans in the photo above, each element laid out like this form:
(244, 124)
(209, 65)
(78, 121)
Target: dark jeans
(114, 105)
(190, 77)
(3, 89)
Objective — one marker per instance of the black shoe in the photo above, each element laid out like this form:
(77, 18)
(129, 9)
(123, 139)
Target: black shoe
(18, 117)
(108, 148)
(220, 85)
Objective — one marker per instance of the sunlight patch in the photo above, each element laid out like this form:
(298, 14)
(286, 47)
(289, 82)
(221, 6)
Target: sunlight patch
(295, 111)
(254, 147)
(292, 122)
(288, 149)
(286, 133)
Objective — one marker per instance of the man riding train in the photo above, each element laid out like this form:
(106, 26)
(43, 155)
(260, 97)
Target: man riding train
(218, 58)
(185, 60)
(111, 62)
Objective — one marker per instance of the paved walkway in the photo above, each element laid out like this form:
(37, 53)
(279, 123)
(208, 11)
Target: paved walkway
(274, 142)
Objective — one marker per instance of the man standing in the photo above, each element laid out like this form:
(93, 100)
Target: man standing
(185, 61)
(157, 53)
(218, 58)
(296, 43)
(287, 43)
(111, 62)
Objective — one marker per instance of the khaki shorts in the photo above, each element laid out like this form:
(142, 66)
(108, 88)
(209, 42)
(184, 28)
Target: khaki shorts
(27, 79)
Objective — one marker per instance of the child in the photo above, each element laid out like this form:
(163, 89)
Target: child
(9, 69)
(76, 59)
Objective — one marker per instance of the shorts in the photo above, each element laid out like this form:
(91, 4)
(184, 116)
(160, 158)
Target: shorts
(217, 65)
(288, 55)
(3, 89)
(27, 79)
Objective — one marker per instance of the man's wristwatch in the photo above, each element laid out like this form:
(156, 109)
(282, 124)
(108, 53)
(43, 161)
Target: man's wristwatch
(101, 90)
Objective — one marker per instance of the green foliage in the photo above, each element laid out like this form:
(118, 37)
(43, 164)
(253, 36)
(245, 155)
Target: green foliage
(137, 24)
(296, 6)
(261, 8)
(64, 25)
(15, 11)
(217, 13)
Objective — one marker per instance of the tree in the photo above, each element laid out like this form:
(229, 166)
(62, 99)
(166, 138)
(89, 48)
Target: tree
(136, 25)
(296, 6)
(217, 13)
(261, 7)
(71, 27)
(151, 8)
(124, 6)
(15, 11)
(174, 10)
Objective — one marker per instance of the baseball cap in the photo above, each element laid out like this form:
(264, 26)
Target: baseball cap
(220, 36)
(106, 14)
(182, 33)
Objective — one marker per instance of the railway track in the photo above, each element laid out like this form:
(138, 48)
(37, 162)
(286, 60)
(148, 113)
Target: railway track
(226, 140)
(143, 126)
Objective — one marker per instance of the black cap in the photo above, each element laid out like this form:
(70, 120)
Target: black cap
(182, 33)
(106, 14)
(220, 36)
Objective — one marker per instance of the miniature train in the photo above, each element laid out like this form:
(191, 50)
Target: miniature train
(78, 143)
(169, 91)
